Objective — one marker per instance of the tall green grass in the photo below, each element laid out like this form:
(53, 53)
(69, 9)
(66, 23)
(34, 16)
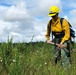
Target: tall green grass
(31, 59)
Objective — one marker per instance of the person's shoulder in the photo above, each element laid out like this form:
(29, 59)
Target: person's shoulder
(50, 21)
(64, 19)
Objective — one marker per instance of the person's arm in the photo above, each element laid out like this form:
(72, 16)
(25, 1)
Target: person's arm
(66, 29)
(47, 35)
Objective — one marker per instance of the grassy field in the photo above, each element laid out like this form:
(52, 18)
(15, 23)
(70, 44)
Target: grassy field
(31, 59)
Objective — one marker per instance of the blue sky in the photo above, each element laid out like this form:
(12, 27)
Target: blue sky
(22, 19)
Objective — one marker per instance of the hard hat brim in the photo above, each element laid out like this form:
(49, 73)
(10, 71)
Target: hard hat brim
(52, 14)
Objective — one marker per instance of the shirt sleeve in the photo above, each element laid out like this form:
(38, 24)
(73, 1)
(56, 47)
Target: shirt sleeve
(66, 29)
(47, 35)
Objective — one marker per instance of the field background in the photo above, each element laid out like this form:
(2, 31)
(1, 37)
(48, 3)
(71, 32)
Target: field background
(34, 58)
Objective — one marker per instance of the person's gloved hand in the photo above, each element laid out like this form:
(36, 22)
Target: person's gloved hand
(49, 42)
(61, 45)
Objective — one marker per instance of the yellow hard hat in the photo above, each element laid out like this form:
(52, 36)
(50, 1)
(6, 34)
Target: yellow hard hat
(53, 10)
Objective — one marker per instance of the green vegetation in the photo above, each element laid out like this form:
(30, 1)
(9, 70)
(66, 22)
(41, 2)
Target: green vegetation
(31, 59)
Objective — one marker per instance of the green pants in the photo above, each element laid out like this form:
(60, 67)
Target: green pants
(62, 54)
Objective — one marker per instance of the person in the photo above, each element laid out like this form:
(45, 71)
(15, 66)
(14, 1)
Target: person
(61, 35)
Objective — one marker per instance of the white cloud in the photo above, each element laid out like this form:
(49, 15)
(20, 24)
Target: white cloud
(15, 13)
(4, 25)
(73, 12)
(39, 37)
(14, 34)
(41, 7)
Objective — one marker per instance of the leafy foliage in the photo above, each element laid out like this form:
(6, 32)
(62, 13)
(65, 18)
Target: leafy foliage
(32, 58)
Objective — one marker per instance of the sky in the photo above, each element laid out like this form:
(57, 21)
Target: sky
(26, 20)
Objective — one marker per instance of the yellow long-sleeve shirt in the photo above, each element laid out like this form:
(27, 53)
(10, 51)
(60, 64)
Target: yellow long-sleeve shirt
(56, 27)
